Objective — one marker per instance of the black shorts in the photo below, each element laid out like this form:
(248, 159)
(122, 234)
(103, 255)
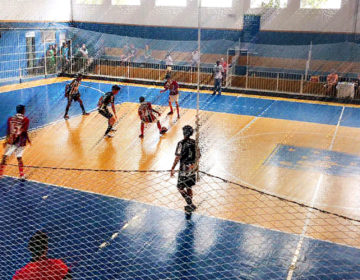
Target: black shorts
(105, 112)
(74, 97)
(186, 181)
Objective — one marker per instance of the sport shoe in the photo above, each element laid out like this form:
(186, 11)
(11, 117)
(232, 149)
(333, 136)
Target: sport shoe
(109, 135)
(141, 136)
(86, 113)
(113, 129)
(22, 178)
(66, 117)
(170, 113)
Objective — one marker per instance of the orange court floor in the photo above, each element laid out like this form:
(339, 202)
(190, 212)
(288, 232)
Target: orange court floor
(268, 162)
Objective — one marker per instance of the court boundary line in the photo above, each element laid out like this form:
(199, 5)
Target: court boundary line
(244, 95)
(311, 209)
(177, 210)
(202, 172)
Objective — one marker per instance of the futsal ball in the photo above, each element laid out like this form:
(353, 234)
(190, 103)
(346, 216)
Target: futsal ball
(168, 68)
(164, 130)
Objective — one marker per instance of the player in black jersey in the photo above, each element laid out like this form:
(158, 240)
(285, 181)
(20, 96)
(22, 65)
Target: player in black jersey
(104, 101)
(72, 93)
(186, 151)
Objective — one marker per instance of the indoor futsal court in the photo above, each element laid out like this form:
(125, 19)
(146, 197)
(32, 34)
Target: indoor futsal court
(187, 139)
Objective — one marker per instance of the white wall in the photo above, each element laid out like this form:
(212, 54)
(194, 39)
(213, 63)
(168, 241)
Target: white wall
(291, 18)
(149, 14)
(35, 10)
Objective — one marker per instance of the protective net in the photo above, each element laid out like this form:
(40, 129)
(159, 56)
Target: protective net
(128, 222)
(144, 235)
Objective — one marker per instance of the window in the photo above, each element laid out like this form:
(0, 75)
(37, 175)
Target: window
(268, 4)
(89, 2)
(169, 3)
(48, 36)
(320, 4)
(126, 2)
(216, 3)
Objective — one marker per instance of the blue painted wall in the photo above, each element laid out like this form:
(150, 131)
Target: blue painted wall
(13, 46)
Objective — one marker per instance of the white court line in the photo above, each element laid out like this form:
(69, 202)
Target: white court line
(308, 216)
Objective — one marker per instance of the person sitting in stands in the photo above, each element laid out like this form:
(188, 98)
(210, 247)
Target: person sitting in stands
(331, 83)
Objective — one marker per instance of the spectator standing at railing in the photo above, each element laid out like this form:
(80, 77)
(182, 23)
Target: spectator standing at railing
(331, 83)
(147, 53)
(84, 52)
(64, 52)
(50, 59)
(218, 77)
(40, 266)
(195, 58)
(225, 67)
(357, 87)
(132, 53)
(168, 60)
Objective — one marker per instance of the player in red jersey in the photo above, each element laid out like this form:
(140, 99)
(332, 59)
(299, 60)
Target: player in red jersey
(16, 139)
(173, 87)
(40, 266)
(146, 115)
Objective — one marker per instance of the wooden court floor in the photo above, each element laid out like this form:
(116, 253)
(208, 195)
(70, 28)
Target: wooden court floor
(238, 148)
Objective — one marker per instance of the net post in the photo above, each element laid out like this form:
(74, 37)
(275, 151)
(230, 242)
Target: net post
(197, 121)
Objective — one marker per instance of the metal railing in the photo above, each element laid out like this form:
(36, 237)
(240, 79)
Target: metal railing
(276, 82)
(25, 68)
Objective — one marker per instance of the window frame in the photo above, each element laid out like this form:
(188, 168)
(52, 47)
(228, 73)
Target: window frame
(171, 5)
(320, 8)
(219, 7)
(78, 2)
(130, 1)
(268, 7)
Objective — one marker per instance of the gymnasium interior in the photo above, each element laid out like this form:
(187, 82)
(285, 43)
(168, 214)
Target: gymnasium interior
(271, 90)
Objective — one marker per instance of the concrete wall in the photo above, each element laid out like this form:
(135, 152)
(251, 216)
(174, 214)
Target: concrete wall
(35, 10)
(291, 18)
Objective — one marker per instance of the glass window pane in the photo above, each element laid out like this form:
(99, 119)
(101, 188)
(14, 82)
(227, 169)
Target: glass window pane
(169, 3)
(320, 4)
(216, 3)
(126, 2)
(268, 4)
(89, 2)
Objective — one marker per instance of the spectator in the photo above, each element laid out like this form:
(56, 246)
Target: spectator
(147, 53)
(77, 50)
(64, 52)
(357, 87)
(84, 52)
(126, 50)
(225, 67)
(132, 53)
(168, 60)
(331, 83)
(218, 76)
(195, 58)
(50, 60)
(40, 266)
